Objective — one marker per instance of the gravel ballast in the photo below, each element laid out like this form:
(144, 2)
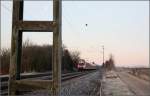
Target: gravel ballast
(86, 85)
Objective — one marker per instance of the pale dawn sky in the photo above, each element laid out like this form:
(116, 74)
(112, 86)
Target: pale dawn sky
(121, 26)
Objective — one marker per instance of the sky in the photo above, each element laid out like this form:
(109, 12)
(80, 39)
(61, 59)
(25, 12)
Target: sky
(121, 26)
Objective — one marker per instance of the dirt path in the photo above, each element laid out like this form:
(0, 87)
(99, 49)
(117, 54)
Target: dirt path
(112, 85)
(138, 86)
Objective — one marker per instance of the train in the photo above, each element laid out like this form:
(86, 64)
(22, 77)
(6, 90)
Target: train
(83, 65)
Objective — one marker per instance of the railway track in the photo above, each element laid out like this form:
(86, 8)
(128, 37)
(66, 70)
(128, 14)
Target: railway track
(40, 76)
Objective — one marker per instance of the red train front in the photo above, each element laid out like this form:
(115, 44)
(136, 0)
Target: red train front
(81, 65)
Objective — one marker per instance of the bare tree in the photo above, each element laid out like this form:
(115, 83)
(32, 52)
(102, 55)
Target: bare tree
(110, 64)
(75, 57)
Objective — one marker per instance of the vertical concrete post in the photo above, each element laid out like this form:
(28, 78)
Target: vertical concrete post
(16, 45)
(57, 45)
(19, 41)
(19, 51)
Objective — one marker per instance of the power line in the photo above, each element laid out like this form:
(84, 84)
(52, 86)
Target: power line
(68, 21)
(6, 8)
(71, 27)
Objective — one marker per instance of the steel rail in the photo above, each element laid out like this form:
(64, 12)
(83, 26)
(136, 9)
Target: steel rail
(41, 76)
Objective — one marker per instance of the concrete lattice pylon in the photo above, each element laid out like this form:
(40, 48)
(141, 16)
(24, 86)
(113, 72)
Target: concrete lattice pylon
(18, 27)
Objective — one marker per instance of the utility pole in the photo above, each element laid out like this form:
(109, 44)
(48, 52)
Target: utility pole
(103, 54)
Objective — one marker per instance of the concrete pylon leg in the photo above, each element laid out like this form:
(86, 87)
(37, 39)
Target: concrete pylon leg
(57, 47)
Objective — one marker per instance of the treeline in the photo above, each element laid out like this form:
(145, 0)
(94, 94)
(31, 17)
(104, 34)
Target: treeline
(110, 63)
(39, 58)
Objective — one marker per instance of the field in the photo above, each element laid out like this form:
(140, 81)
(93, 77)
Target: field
(143, 73)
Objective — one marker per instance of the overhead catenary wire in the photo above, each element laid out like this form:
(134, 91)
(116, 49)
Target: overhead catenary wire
(6, 8)
(68, 18)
